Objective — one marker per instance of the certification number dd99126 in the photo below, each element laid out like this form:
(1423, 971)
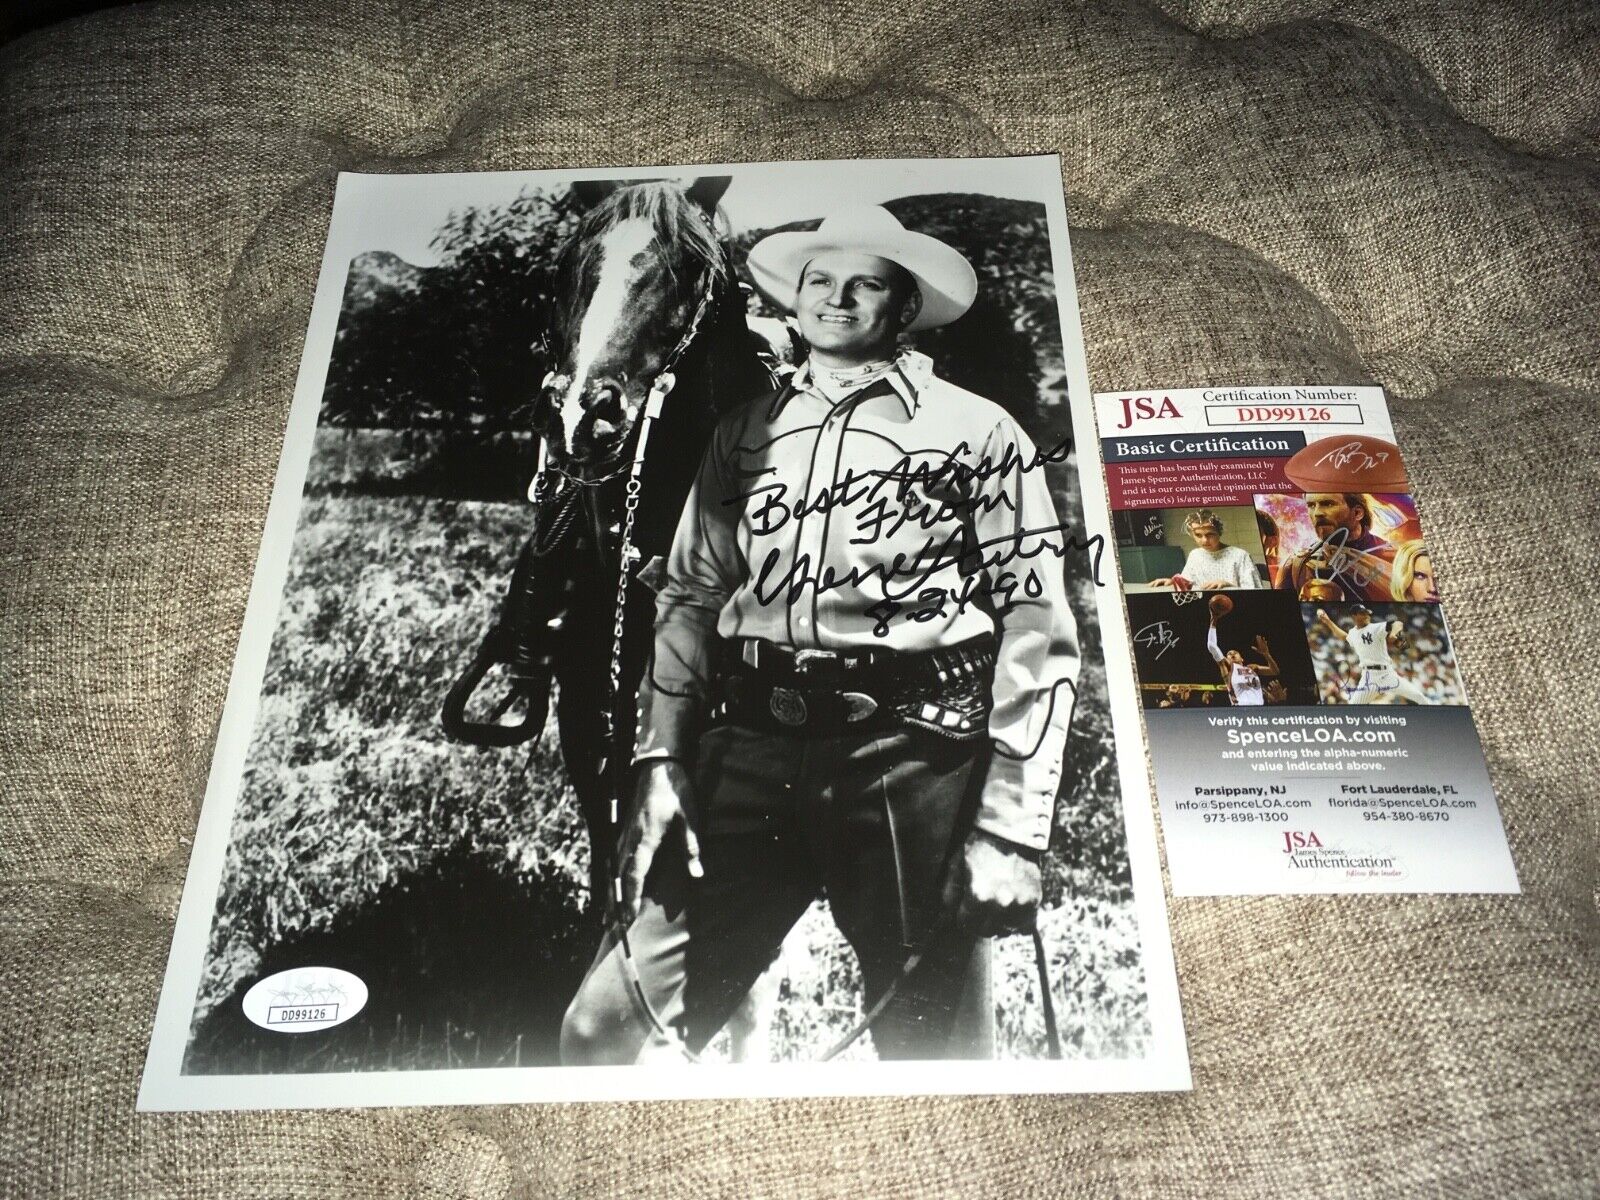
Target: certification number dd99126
(287, 1016)
(1282, 415)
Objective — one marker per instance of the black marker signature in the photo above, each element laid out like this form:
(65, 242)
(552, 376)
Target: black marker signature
(997, 594)
(907, 572)
(876, 519)
(947, 476)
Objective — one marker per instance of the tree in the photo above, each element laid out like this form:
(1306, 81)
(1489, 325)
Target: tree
(458, 347)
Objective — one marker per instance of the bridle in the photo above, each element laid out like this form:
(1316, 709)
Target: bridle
(665, 380)
(628, 555)
(557, 495)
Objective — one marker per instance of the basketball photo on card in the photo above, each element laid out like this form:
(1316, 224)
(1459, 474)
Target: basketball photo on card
(1220, 649)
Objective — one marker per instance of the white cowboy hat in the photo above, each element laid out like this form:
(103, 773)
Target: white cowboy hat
(944, 276)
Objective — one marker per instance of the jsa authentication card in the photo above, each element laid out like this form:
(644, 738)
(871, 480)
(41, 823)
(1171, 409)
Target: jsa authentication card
(1307, 717)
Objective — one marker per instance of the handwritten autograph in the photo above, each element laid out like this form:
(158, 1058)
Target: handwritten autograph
(946, 475)
(906, 572)
(1353, 456)
(1344, 562)
(1158, 635)
(930, 501)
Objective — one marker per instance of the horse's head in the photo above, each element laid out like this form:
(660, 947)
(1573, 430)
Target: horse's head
(642, 267)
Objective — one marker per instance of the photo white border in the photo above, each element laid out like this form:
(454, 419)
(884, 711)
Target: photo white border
(358, 206)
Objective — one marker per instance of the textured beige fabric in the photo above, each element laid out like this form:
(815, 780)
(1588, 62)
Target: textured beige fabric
(1263, 191)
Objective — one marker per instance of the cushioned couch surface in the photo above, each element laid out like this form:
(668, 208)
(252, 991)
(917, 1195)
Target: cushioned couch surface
(1406, 194)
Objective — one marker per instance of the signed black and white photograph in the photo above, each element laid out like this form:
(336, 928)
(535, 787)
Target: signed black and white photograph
(685, 659)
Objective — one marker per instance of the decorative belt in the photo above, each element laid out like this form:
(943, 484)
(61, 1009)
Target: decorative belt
(815, 666)
(824, 693)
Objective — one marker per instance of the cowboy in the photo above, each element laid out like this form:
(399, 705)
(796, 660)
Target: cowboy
(862, 678)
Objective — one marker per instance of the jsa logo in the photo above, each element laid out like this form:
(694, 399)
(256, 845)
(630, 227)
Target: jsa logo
(1144, 408)
(1294, 840)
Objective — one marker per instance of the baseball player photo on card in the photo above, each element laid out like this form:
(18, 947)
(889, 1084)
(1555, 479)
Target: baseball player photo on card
(684, 660)
(1306, 714)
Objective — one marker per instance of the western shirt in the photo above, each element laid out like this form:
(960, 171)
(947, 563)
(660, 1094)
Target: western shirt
(909, 515)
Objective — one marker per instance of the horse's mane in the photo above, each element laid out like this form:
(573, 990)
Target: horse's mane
(678, 221)
(701, 263)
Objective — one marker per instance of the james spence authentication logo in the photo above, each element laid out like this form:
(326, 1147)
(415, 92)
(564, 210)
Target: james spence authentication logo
(305, 999)
(1145, 408)
(1305, 850)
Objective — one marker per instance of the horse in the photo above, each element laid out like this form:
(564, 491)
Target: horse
(650, 346)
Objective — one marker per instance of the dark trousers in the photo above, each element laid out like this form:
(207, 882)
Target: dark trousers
(876, 823)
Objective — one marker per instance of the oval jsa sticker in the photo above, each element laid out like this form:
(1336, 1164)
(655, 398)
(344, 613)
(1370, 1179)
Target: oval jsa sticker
(305, 999)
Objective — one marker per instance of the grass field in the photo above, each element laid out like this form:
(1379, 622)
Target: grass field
(452, 879)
